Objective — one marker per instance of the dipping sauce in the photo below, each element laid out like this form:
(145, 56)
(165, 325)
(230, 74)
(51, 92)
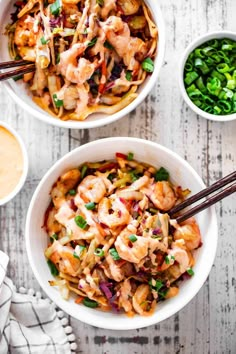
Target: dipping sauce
(11, 162)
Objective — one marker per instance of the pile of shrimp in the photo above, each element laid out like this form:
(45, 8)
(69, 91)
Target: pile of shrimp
(88, 53)
(111, 240)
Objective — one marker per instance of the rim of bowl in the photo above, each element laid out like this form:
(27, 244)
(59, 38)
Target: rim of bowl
(107, 119)
(195, 43)
(25, 164)
(151, 320)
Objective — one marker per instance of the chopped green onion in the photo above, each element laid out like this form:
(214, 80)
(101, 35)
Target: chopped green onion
(128, 75)
(90, 206)
(76, 255)
(92, 42)
(90, 303)
(100, 2)
(190, 271)
(54, 237)
(55, 8)
(161, 175)
(133, 238)
(81, 222)
(167, 260)
(134, 176)
(72, 192)
(222, 68)
(130, 156)
(113, 252)
(18, 77)
(58, 103)
(53, 268)
(99, 252)
(58, 58)
(190, 77)
(83, 171)
(108, 45)
(155, 284)
(44, 41)
(148, 65)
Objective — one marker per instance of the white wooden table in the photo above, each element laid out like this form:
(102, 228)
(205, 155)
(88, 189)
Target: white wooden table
(208, 323)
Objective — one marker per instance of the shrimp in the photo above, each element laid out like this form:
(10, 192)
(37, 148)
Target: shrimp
(71, 96)
(132, 252)
(108, 6)
(92, 189)
(163, 196)
(140, 300)
(179, 255)
(52, 225)
(76, 71)
(64, 258)
(118, 34)
(24, 35)
(190, 233)
(125, 295)
(113, 271)
(63, 185)
(113, 213)
(64, 213)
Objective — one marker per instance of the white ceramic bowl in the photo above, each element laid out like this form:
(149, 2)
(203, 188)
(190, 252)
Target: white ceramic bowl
(181, 173)
(20, 94)
(193, 45)
(25, 164)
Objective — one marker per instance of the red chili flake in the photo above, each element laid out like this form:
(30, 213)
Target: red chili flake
(119, 213)
(108, 166)
(72, 205)
(130, 244)
(104, 226)
(120, 155)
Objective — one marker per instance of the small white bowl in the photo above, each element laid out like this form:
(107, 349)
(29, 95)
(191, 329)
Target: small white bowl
(181, 173)
(18, 91)
(25, 165)
(193, 45)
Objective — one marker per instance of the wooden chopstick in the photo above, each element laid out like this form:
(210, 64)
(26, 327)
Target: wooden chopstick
(205, 192)
(14, 63)
(26, 69)
(207, 203)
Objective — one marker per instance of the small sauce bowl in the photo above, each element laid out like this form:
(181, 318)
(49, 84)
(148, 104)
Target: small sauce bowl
(25, 164)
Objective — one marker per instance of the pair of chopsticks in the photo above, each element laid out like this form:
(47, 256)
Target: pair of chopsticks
(204, 193)
(26, 67)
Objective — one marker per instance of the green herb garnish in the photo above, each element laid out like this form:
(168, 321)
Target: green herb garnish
(148, 65)
(113, 252)
(108, 45)
(58, 103)
(81, 222)
(90, 206)
(190, 271)
(53, 268)
(55, 8)
(99, 252)
(90, 303)
(133, 238)
(161, 175)
(72, 192)
(128, 75)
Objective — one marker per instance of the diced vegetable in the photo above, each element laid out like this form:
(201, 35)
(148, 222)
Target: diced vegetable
(55, 8)
(81, 222)
(83, 171)
(161, 175)
(133, 238)
(90, 303)
(113, 252)
(99, 252)
(90, 206)
(72, 192)
(58, 103)
(190, 271)
(53, 268)
(130, 156)
(148, 65)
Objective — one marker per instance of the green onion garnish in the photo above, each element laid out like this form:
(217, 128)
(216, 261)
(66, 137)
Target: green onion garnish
(58, 58)
(92, 42)
(161, 175)
(90, 206)
(83, 171)
(128, 75)
(108, 45)
(90, 303)
(55, 8)
(72, 192)
(133, 238)
(130, 156)
(54, 237)
(44, 41)
(210, 76)
(58, 103)
(99, 252)
(190, 271)
(113, 252)
(80, 221)
(148, 65)
(53, 269)
(76, 255)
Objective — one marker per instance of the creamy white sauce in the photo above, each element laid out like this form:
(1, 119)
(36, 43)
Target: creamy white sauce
(11, 162)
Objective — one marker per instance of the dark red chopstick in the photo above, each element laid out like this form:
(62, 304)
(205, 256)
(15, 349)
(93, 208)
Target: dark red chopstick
(205, 192)
(207, 203)
(14, 63)
(26, 69)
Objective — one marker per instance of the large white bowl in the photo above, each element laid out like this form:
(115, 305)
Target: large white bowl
(20, 94)
(181, 173)
(193, 45)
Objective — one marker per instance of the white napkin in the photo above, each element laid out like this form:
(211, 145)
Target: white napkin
(29, 324)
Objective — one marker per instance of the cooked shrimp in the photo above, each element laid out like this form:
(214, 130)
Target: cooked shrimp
(64, 258)
(190, 233)
(180, 256)
(52, 225)
(24, 35)
(92, 189)
(113, 213)
(71, 13)
(71, 96)
(64, 213)
(108, 6)
(163, 196)
(63, 185)
(132, 252)
(140, 300)
(125, 295)
(114, 271)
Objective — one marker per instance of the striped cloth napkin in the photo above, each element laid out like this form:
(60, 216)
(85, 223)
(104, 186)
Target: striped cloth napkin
(28, 323)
